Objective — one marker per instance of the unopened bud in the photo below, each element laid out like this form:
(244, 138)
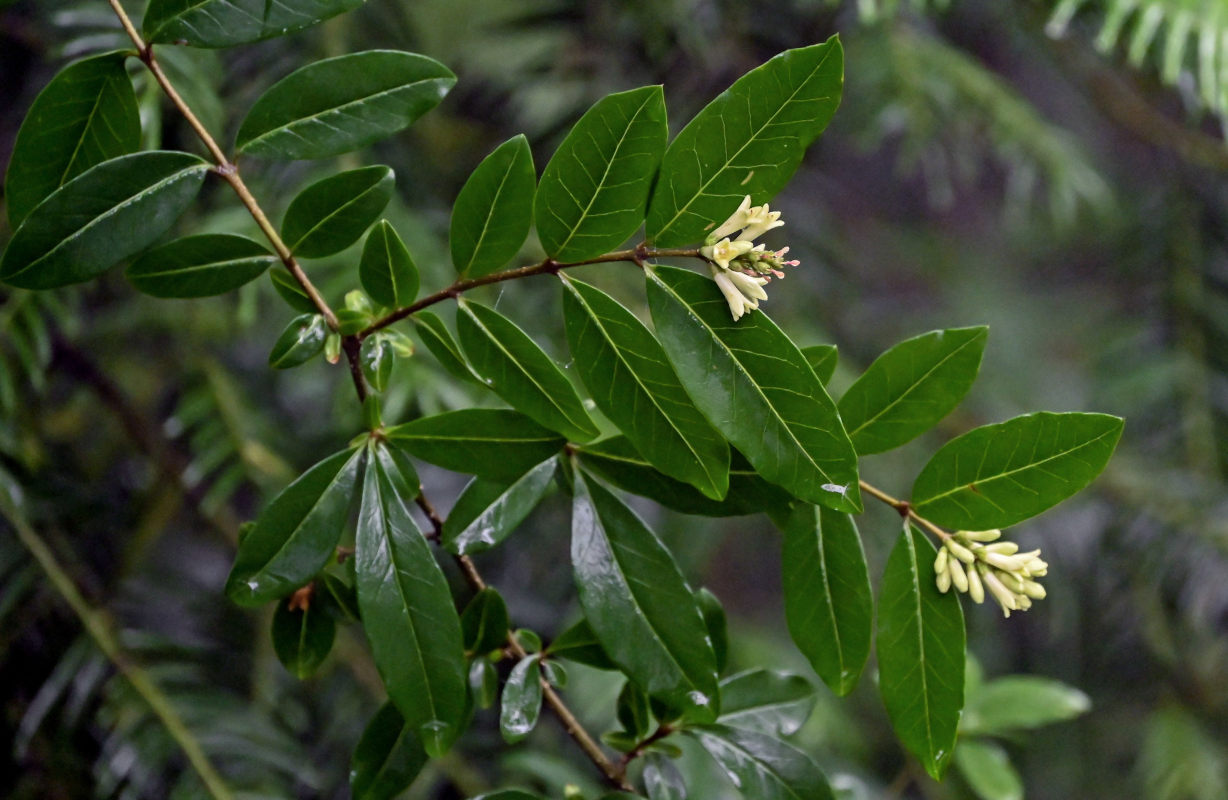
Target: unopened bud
(1034, 590)
(982, 536)
(958, 577)
(1002, 548)
(976, 589)
(943, 581)
(959, 551)
(940, 563)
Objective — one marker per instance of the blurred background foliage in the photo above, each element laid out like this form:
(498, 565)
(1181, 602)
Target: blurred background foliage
(1056, 170)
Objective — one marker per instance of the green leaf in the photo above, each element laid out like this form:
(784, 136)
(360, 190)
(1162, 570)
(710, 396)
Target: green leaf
(342, 104)
(717, 624)
(920, 644)
(483, 682)
(302, 339)
(522, 700)
(407, 612)
(291, 291)
(1021, 702)
(200, 266)
(520, 372)
(828, 599)
(509, 794)
(639, 605)
(631, 381)
(775, 703)
(388, 757)
(108, 213)
(662, 780)
(998, 475)
(618, 462)
(822, 359)
(632, 711)
(579, 643)
(438, 339)
(496, 444)
(222, 23)
(297, 534)
(494, 210)
(594, 191)
(484, 625)
(748, 141)
(988, 770)
(85, 116)
(755, 387)
(302, 638)
(387, 270)
(488, 511)
(376, 359)
(331, 214)
(762, 766)
(912, 386)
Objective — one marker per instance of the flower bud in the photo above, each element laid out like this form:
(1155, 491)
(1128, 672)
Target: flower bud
(958, 576)
(976, 589)
(943, 580)
(940, 563)
(959, 551)
(1034, 590)
(981, 536)
(1002, 548)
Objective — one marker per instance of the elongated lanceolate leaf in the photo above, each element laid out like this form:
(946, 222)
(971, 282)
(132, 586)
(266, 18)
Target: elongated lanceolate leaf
(520, 372)
(200, 266)
(85, 116)
(828, 599)
(494, 210)
(439, 340)
(921, 655)
(755, 387)
(748, 141)
(1021, 702)
(639, 605)
(387, 270)
(331, 214)
(388, 757)
(776, 703)
(407, 612)
(594, 191)
(616, 461)
(223, 23)
(497, 444)
(998, 475)
(108, 213)
(488, 511)
(912, 386)
(484, 625)
(822, 359)
(522, 700)
(988, 771)
(631, 381)
(762, 766)
(302, 637)
(342, 104)
(296, 535)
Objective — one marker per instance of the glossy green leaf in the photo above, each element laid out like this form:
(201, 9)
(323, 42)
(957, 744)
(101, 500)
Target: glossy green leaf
(579, 643)
(998, 475)
(554, 674)
(496, 444)
(912, 386)
(388, 757)
(85, 116)
(494, 210)
(920, 645)
(822, 358)
(376, 359)
(484, 624)
(775, 703)
(302, 339)
(1021, 702)
(302, 638)
(639, 605)
(631, 381)
(200, 266)
(717, 624)
(387, 270)
(632, 711)
(483, 682)
(438, 339)
(488, 511)
(339, 598)
(988, 771)
(748, 141)
(342, 104)
(297, 534)
(522, 700)
(291, 291)
(618, 462)
(762, 766)
(662, 780)
(828, 599)
(594, 191)
(331, 214)
(755, 387)
(223, 23)
(407, 611)
(520, 372)
(108, 213)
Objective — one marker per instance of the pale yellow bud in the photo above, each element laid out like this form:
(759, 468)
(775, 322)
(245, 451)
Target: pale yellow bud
(982, 536)
(976, 589)
(959, 551)
(958, 577)
(943, 581)
(1033, 590)
(1004, 596)
(940, 563)
(1002, 548)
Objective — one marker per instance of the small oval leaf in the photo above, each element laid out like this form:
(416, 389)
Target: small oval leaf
(387, 270)
(331, 214)
(302, 637)
(494, 210)
(301, 341)
(484, 625)
(776, 703)
(1020, 702)
(522, 700)
(200, 266)
(988, 770)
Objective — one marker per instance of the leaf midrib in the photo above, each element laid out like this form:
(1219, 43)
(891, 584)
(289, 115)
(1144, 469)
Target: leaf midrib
(338, 209)
(490, 213)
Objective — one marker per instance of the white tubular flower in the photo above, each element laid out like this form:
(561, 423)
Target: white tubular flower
(725, 251)
(972, 562)
(736, 222)
(742, 292)
(760, 220)
(976, 589)
(1005, 597)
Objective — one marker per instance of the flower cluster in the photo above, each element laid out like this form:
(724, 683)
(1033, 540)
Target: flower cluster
(739, 266)
(973, 561)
